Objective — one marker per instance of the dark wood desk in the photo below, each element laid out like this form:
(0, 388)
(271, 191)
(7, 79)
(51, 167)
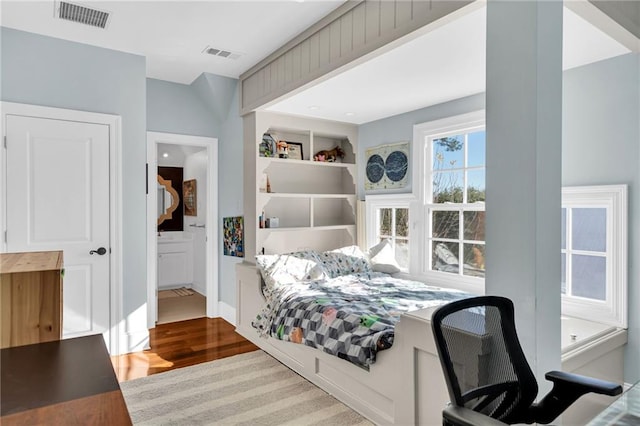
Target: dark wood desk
(68, 382)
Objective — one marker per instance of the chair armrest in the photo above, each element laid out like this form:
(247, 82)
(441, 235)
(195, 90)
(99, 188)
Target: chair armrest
(461, 416)
(567, 388)
(587, 384)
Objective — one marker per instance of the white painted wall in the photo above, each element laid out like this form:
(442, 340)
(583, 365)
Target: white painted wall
(195, 167)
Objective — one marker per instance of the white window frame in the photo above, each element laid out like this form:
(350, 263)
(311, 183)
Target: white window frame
(392, 201)
(422, 136)
(613, 310)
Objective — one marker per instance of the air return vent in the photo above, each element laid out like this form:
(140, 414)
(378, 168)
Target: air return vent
(221, 52)
(82, 15)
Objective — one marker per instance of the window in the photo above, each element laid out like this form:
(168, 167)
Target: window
(388, 219)
(452, 199)
(593, 250)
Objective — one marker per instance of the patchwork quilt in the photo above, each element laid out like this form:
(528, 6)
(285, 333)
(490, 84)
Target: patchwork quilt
(350, 316)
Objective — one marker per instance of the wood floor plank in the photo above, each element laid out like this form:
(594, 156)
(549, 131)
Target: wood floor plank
(181, 344)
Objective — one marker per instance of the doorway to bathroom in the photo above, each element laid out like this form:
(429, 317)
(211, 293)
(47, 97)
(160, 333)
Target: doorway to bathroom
(182, 229)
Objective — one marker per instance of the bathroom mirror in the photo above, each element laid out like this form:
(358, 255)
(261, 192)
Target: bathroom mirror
(167, 199)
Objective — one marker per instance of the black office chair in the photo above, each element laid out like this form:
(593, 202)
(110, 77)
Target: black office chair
(486, 370)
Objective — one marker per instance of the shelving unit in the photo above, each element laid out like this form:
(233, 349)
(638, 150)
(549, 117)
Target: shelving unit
(315, 202)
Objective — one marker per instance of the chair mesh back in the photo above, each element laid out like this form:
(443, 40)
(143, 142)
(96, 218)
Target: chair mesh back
(484, 365)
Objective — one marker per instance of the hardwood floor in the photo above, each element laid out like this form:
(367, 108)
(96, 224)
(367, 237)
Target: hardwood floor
(181, 344)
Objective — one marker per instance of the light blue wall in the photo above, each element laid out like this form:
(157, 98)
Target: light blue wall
(52, 72)
(177, 108)
(207, 107)
(399, 128)
(231, 191)
(601, 145)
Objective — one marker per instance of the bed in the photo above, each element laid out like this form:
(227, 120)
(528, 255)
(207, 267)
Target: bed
(383, 364)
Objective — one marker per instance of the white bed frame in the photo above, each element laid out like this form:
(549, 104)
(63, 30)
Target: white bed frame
(405, 386)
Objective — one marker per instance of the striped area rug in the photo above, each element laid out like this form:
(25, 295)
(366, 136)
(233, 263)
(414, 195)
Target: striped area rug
(246, 389)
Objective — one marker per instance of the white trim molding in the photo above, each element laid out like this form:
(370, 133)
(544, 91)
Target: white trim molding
(227, 312)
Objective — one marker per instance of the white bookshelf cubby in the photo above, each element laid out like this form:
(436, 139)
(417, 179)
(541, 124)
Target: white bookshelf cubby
(315, 202)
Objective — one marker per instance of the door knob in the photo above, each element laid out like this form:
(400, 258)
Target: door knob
(100, 251)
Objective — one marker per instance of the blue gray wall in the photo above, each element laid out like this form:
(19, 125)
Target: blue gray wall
(601, 145)
(177, 108)
(399, 128)
(57, 73)
(207, 107)
(231, 191)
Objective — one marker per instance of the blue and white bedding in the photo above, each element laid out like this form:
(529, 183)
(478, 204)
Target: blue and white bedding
(335, 302)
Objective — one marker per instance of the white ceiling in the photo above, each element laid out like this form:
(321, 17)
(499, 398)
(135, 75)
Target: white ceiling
(442, 65)
(173, 34)
(445, 64)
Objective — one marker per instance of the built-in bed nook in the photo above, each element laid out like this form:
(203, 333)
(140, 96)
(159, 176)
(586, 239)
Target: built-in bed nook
(405, 384)
(301, 210)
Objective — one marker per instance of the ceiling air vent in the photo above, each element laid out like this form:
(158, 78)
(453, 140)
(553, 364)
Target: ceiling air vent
(82, 15)
(221, 52)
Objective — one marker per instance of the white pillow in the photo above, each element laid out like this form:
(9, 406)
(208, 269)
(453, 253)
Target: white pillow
(383, 259)
(289, 268)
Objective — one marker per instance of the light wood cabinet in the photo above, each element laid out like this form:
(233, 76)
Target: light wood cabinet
(30, 297)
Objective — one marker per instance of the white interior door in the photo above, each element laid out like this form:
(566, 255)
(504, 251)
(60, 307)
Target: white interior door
(58, 199)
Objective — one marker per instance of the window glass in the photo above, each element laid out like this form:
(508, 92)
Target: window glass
(447, 187)
(563, 231)
(448, 152)
(475, 186)
(563, 273)
(476, 146)
(474, 260)
(588, 276)
(385, 222)
(446, 224)
(474, 225)
(445, 257)
(589, 229)
(402, 222)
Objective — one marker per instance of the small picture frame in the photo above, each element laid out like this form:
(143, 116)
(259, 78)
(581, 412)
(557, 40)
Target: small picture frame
(295, 151)
(189, 195)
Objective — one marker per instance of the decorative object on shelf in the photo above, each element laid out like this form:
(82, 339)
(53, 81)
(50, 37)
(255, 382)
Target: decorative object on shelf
(265, 185)
(283, 149)
(262, 187)
(233, 236)
(190, 195)
(330, 155)
(295, 150)
(267, 146)
(273, 222)
(387, 166)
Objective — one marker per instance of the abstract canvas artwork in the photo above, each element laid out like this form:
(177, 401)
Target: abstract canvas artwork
(233, 241)
(387, 166)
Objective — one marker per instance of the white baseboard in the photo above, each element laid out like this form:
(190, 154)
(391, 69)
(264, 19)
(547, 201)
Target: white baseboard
(133, 341)
(227, 312)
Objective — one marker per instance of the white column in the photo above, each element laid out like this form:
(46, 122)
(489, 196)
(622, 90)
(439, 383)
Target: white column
(524, 144)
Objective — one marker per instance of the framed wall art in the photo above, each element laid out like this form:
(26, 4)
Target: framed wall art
(233, 241)
(295, 150)
(190, 195)
(387, 166)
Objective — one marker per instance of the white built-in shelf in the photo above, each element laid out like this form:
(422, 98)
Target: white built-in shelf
(266, 161)
(308, 228)
(314, 201)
